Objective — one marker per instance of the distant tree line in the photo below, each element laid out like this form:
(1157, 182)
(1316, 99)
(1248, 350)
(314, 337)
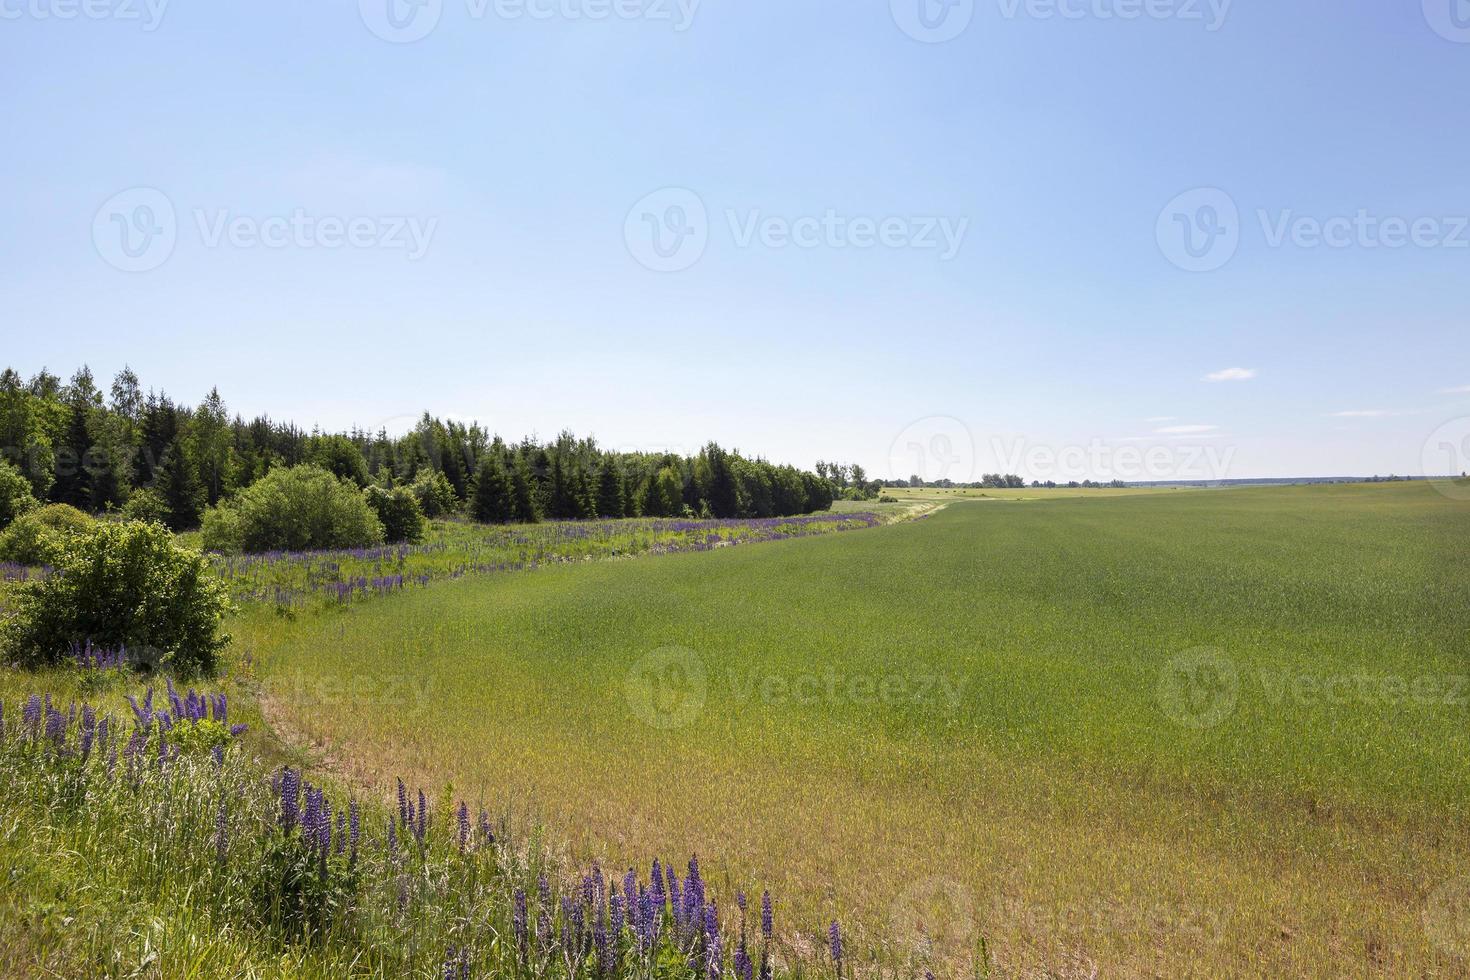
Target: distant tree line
(1000, 481)
(151, 457)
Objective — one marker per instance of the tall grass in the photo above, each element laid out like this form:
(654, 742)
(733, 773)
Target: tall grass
(159, 847)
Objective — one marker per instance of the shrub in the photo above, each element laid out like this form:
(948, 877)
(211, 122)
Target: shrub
(15, 494)
(122, 585)
(39, 536)
(435, 494)
(299, 508)
(399, 511)
(220, 530)
(147, 505)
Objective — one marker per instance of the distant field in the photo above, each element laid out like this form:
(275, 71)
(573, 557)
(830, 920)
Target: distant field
(1131, 729)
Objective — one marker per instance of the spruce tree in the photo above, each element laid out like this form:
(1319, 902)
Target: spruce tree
(609, 491)
(180, 487)
(493, 501)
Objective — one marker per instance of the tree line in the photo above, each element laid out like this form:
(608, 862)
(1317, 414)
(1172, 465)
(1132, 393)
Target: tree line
(152, 457)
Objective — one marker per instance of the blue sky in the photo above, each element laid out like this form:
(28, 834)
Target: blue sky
(501, 173)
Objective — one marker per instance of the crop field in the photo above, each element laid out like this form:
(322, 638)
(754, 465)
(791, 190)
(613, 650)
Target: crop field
(1125, 732)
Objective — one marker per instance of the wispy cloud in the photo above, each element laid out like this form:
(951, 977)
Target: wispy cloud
(1461, 390)
(1160, 418)
(1185, 430)
(1230, 374)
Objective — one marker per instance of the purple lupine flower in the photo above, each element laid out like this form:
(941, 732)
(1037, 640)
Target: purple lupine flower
(487, 836)
(392, 841)
(676, 905)
(341, 831)
(290, 798)
(603, 945)
(218, 754)
(464, 826)
(55, 726)
(518, 923)
(419, 828)
(89, 730)
(31, 714)
(767, 919)
(743, 967)
(403, 815)
(656, 882)
(354, 831)
(715, 956)
(648, 911)
(630, 891)
(834, 940)
(313, 812)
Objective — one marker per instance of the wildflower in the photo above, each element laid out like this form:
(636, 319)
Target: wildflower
(418, 830)
(743, 966)
(766, 916)
(290, 798)
(834, 937)
(487, 836)
(464, 826)
(403, 814)
(30, 714)
(354, 831)
(657, 884)
(518, 922)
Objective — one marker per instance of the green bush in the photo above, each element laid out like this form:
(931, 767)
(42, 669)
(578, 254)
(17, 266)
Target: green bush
(300, 508)
(147, 505)
(15, 494)
(122, 585)
(399, 511)
(435, 494)
(38, 536)
(220, 530)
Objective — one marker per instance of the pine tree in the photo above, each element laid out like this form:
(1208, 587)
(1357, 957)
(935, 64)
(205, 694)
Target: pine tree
(493, 501)
(609, 491)
(180, 487)
(523, 492)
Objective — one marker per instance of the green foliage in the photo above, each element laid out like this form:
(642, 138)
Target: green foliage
(493, 500)
(146, 505)
(199, 737)
(398, 510)
(122, 585)
(39, 536)
(178, 484)
(340, 456)
(294, 508)
(609, 492)
(435, 494)
(15, 494)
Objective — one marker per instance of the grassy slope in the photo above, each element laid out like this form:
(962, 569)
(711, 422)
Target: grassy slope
(1054, 805)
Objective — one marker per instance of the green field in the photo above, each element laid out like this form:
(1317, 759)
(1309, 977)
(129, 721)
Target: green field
(1129, 731)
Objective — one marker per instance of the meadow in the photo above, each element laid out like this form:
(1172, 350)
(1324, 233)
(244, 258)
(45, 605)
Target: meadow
(1044, 732)
(1131, 731)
